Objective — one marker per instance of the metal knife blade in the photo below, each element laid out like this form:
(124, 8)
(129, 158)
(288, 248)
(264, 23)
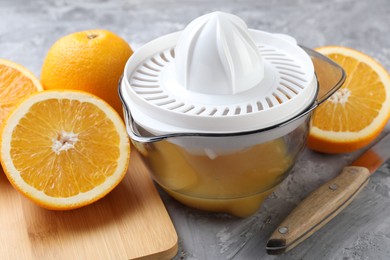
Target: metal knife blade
(327, 201)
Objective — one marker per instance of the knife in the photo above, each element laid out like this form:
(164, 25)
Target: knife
(327, 201)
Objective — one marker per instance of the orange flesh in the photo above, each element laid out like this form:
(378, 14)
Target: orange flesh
(13, 87)
(41, 128)
(365, 92)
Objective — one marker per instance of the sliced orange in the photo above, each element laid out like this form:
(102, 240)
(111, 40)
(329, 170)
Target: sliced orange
(64, 149)
(16, 83)
(357, 113)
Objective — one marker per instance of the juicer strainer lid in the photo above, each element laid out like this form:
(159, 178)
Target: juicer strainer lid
(218, 76)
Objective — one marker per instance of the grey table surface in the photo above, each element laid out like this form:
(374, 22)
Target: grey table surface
(361, 231)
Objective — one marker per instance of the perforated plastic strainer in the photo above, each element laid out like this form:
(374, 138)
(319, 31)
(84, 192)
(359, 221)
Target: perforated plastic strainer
(217, 76)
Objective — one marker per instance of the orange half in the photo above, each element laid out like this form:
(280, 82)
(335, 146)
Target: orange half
(64, 149)
(357, 113)
(16, 83)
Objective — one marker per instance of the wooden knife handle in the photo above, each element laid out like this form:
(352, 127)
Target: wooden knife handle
(318, 209)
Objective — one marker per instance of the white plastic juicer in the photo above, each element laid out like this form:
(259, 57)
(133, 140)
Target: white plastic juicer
(220, 112)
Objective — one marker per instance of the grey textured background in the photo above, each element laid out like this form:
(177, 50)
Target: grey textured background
(362, 231)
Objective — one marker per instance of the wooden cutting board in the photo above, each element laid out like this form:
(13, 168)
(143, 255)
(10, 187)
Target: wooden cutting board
(130, 222)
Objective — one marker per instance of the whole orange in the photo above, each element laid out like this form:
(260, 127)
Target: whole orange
(92, 61)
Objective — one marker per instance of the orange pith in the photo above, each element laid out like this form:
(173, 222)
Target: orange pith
(357, 113)
(65, 149)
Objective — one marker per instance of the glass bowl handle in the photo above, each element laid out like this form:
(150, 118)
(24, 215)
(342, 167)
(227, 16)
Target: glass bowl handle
(330, 75)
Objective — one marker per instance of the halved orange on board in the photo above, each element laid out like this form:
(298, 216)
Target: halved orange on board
(64, 149)
(357, 113)
(16, 83)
